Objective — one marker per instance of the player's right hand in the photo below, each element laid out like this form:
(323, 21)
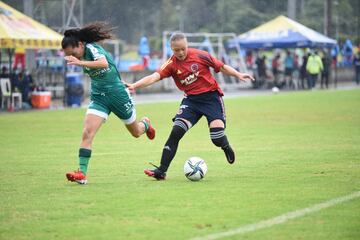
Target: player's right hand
(129, 86)
(71, 60)
(245, 77)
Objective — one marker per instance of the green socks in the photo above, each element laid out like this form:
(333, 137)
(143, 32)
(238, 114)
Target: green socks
(84, 157)
(145, 124)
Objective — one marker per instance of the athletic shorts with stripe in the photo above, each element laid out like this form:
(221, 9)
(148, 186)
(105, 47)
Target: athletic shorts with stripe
(117, 101)
(208, 104)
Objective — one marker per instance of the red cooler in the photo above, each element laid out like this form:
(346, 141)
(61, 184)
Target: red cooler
(41, 99)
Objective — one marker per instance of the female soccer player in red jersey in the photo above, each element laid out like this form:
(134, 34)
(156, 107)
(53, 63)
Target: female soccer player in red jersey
(190, 69)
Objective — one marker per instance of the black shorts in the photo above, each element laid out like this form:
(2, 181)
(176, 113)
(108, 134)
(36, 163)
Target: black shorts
(209, 104)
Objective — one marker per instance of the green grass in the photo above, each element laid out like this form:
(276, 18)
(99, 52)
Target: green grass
(293, 151)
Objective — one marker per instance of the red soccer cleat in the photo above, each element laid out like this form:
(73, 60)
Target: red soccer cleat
(156, 173)
(77, 176)
(150, 133)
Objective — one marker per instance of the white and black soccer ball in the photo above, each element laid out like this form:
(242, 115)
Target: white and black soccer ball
(195, 169)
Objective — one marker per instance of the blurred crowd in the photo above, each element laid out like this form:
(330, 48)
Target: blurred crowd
(300, 68)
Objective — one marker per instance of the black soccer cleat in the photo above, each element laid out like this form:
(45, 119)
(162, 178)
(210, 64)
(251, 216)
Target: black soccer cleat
(229, 153)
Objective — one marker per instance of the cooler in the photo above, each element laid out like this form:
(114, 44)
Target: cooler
(41, 99)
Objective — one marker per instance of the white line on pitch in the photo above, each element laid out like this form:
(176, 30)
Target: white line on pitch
(280, 219)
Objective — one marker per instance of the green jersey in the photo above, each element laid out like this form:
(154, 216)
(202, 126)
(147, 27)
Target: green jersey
(102, 79)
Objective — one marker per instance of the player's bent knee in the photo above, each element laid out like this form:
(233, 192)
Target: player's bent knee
(179, 129)
(217, 123)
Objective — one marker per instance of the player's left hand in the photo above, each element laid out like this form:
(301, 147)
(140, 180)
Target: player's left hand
(245, 77)
(71, 60)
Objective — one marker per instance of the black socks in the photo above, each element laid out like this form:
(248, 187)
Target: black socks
(179, 129)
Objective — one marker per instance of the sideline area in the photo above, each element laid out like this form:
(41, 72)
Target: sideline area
(176, 96)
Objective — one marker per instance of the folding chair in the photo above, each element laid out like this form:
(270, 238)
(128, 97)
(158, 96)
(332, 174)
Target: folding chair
(7, 97)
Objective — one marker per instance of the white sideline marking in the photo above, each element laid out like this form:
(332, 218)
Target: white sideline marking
(280, 219)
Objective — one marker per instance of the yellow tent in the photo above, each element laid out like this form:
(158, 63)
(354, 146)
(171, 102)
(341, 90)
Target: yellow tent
(20, 31)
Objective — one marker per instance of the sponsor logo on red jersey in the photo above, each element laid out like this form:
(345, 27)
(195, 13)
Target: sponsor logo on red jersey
(190, 79)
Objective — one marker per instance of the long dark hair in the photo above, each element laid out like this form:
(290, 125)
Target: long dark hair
(93, 32)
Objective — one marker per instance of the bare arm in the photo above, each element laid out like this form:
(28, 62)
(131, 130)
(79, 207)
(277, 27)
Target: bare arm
(144, 82)
(228, 70)
(99, 63)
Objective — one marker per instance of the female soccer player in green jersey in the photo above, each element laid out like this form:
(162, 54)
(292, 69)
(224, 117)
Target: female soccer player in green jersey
(108, 93)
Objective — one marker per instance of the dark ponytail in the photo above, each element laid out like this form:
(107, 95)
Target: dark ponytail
(93, 32)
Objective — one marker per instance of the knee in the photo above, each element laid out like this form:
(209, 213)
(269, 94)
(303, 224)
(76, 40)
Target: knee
(179, 129)
(217, 123)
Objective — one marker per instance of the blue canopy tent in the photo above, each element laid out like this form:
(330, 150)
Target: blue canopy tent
(282, 32)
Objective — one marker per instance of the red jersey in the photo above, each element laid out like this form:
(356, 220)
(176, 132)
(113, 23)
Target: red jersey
(192, 75)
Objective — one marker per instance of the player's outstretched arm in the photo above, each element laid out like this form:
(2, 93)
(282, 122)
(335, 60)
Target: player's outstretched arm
(99, 63)
(144, 82)
(228, 70)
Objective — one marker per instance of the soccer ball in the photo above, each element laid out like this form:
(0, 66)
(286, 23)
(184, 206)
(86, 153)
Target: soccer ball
(275, 90)
(195, 169)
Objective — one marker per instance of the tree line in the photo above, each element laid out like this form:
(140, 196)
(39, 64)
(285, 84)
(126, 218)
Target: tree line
(137, 18)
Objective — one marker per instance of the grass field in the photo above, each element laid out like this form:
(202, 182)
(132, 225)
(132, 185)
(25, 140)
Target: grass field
(293, 151)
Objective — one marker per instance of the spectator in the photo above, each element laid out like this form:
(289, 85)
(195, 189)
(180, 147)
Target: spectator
(14, 80)
(289, 68)
(303, 72)
(314, 66)
(275, 69)
(357, 67)
(326, 70)
(261, 68)
(334, 54)
(19, 58)
(25, 84)
(347, 52)
(4, 72)
(249, 59)
(296, 72)
(146, 61)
